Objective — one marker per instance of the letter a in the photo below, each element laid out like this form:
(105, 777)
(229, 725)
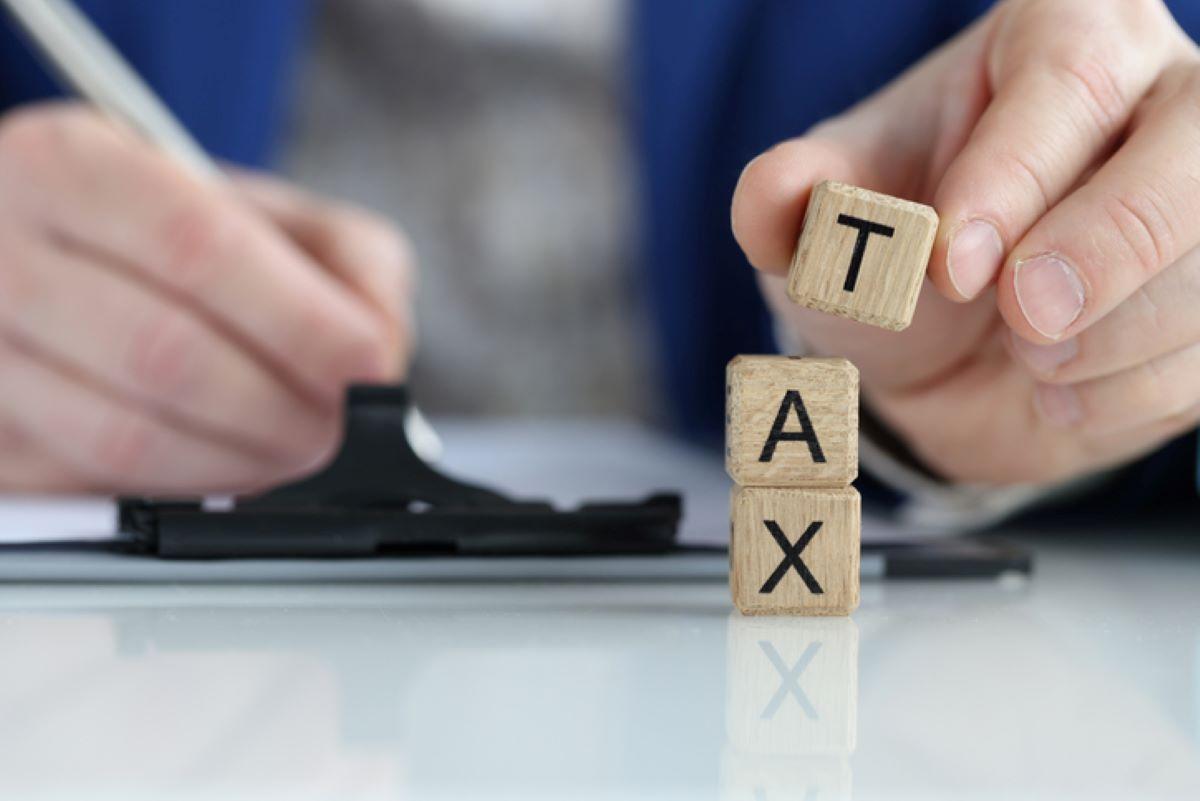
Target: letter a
(792, 400)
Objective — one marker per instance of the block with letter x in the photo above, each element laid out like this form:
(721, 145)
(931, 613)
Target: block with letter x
(862, 255)
(791, 422)
(795, 551)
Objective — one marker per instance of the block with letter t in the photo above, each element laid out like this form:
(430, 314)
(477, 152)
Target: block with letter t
(791, 422)
(862, 255)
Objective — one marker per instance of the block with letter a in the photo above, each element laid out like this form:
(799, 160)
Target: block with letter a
(791, 422)
(792, 447)
(862, 255)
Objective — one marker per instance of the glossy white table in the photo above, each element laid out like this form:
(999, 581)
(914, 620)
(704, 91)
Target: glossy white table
(1083, 682)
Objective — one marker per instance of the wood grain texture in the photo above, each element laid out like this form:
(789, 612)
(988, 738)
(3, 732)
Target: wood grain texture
(831, 557)
(891, 270)
(757, 388)
(792, 685)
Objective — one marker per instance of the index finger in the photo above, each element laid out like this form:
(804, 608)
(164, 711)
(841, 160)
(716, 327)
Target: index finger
(1135, 217)
(1059, 103)
(370, 256)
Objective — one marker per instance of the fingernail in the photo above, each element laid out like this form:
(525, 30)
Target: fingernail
(975, 255)
(1045, 359)
(1050, 294)
(1057, 405)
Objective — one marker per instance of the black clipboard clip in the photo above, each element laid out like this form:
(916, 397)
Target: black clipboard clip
(378, 498)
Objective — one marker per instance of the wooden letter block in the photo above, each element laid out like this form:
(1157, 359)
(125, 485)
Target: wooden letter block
(791, 422)
(862, 255)
(795, 551)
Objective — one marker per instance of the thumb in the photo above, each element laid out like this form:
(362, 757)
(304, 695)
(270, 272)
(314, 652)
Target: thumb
(1057, 104)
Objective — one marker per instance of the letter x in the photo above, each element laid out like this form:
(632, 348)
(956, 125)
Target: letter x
(789, 680)
(791, 557)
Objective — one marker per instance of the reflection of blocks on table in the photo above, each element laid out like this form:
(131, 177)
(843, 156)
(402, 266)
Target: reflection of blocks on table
(795, 551)
(751, 777)
(792, 686)
(791, 422)
(862, 255)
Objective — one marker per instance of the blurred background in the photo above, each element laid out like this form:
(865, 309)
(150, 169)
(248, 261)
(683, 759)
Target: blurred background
(495, 133)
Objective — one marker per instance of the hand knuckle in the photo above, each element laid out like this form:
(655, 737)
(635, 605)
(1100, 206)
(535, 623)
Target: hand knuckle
(1141, 222)
(122, 446)
(314, 322)
(1090, 76)
(164, 356)
(1028, 169)
(364, 231)
(355, 347)
(195, 239)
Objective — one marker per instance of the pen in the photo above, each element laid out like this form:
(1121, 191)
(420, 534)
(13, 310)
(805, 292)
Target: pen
(87, 62)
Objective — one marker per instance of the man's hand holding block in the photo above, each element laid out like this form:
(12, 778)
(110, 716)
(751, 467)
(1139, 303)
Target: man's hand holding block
(862, 255)
(792, 445)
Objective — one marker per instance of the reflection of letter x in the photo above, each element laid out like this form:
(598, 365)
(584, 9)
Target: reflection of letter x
(789, 680)
(791, 557)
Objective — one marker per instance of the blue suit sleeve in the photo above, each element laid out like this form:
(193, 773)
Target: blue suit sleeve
(224, 67)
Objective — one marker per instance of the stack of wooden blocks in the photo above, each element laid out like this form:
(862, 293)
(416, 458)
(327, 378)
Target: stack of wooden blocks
(792, 447)
(792, 424)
